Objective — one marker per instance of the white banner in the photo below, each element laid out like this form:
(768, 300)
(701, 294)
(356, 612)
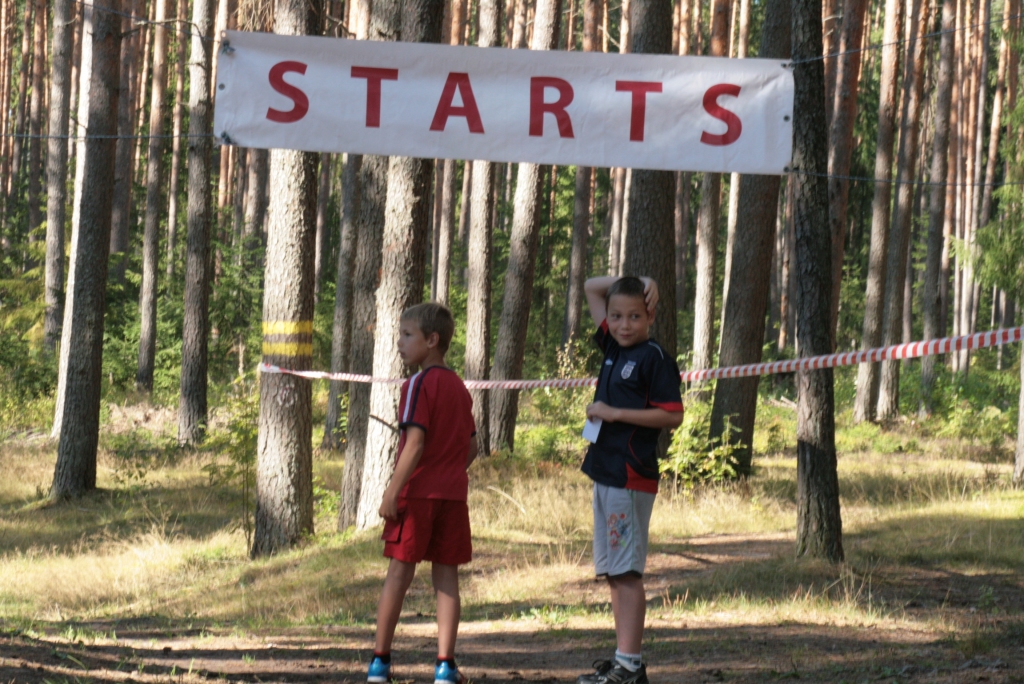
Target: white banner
(421, 100)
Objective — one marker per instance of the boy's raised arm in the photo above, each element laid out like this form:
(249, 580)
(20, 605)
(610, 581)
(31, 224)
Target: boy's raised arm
(596, 289)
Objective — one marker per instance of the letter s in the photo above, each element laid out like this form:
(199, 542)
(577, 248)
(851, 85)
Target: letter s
(298, 111)
(735, 126)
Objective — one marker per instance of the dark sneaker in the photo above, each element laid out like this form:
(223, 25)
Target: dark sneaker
(379, 672)
(607, 672)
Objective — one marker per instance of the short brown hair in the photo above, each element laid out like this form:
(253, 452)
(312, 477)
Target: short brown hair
(627, 286)
(432, 318)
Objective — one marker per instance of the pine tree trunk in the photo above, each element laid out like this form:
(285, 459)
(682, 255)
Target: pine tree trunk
(746, 303)
(19, 122)
(57, 169)
(284, 462)
(1018, 461)
(707, 224)
(407, 218)
(341, 330)
(615, 236)
(478, 285)
(445, 230)
(900, 232)
(650, 233)
(742, 33)
(819, 525)
(78, 403)
(154, 176)
(510, 347)
(192, 404)
(35, 143)
(123, 172)
(581, 210)
(147, 32)
(323, 197)
(682, 229)
(867, 373)
(256, 186)
(840, 151)
(464, 202)
(173, 190)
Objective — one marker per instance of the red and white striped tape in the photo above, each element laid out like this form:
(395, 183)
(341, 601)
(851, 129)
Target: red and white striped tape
(910, 350)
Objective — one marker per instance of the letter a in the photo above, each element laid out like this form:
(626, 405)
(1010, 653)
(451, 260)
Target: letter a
(446, 107)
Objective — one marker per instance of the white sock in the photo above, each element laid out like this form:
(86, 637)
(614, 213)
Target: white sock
(630, 661)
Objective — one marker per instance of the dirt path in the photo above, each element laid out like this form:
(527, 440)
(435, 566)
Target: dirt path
(699, 646)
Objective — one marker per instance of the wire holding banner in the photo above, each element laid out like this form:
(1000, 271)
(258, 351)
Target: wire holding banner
(909, 350)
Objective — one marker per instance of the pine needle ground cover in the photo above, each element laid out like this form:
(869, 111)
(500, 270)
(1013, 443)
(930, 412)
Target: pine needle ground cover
(148, 579)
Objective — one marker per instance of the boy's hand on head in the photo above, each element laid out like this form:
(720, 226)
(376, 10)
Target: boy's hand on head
(650, 293)
(389, 505)
(601, 410)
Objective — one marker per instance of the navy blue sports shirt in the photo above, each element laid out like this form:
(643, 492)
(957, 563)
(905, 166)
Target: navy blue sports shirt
(642, 376)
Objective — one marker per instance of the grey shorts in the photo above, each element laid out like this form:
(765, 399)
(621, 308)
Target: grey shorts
(622, 521)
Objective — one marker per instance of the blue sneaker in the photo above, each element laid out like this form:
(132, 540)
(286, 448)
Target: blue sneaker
(446, 673)
(379, 672)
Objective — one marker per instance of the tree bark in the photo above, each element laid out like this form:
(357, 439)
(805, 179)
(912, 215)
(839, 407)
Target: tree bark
(581, 210)
(192, 404)
(510, 347)
(407, 218)
(323, 197)
(20, 111)
(57, 169)
(819, 525)
(746, 303)
(900, 232)
(446, 232)
(284, 464)
(35, 127)
(707, 223)
(341, 330)
(650, 231)
(840, 151)
(615, 234)
(173, 189)
(867, 373)
(123, 172)
(1018, 461)
(154, 175)
(78, 404)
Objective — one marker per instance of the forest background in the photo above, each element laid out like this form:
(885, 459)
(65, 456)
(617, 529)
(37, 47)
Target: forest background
(919, 125)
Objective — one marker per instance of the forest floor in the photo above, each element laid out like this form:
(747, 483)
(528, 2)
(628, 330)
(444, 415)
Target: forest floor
(147, 579)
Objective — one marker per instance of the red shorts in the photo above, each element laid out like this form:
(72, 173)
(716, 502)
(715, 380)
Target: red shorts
(435, 530)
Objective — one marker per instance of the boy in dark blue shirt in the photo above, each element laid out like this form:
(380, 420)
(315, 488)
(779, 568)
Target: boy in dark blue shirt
(638, 396)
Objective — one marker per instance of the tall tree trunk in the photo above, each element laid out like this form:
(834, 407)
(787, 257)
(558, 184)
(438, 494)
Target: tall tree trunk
(581, 209)
(78, 405)
(192, 403)
(173, 189)
(323, 198)
(379, 22)
(35, 143)
(123, 172)
(840, 150)
(746, 303)
(819, 525)
(650, 233)
(446, 230)
(154, 176)
(148, 31)
(57, 168)
(615, 235)
(478, 295)
(1018, 460)
(341, 330)
(510, 347)
(407, 218)
(900, 232)
(867, 374)
(707, 223)
(284, 462)
(19, 122)
(931, 303)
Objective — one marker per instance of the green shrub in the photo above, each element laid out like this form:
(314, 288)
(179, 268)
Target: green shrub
(693, 457)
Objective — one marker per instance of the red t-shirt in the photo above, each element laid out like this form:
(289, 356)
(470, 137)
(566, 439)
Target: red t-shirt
(436, 401)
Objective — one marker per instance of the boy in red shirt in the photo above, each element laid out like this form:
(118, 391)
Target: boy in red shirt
(425, 505)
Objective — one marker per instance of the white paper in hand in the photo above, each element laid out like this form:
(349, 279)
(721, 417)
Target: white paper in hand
(591, 429)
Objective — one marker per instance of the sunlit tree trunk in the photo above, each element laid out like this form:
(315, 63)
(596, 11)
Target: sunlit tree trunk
(192, 403)
(819, 525)
(867, 374)
(78, 404)
(284, 461)
(123, 172)
(900, 232)
(173, 189)
(35, 128)
(154, 177)
(57, 168)
(21, 109)
(747, 300)
(510, 346)
(323, 198)
(708, 223)
(407, 217)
